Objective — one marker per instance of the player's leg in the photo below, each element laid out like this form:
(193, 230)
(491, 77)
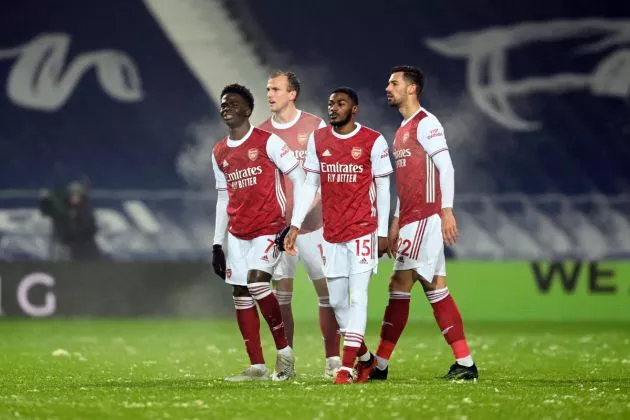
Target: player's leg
(246, 312)
(338, 291)
(283, 276)
(262, 258)
(394, 319)
(445, 311)
(363, 263)
(400, 285)
(451, 325)
(311, 251)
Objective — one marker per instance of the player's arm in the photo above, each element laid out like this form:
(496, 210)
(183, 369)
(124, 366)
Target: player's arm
(221, 221)
(432, 139)
(306, 196)
(318, 196)
(381, 169)
(394, 230)
(282, 156)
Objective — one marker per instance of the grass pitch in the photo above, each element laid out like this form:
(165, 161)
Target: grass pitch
(154, 369)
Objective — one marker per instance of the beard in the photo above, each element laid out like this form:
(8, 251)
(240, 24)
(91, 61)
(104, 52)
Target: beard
(339, 123)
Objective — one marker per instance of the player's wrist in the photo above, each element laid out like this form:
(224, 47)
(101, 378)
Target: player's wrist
(447, 210)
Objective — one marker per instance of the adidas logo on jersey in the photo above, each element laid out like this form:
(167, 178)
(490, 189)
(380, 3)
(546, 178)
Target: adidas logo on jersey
(326, 153)
(225, 164)
(401, 259)
(363, 261)
(265, 258)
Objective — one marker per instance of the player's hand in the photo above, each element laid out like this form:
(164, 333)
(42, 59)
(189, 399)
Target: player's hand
(449, 227)
(289, 241)
(218, 260)
(383, 246)
(394, 230)
(280, 238)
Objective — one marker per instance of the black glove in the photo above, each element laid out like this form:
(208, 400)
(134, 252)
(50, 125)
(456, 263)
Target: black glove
(218, 260)
(281, 236)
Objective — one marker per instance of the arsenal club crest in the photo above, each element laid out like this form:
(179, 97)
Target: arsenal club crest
(302, 138)
(356, 152)
(405, 137)
(252, 154)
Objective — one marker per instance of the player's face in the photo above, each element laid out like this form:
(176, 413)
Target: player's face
(278, 94)
(397, 89)
(234, 109)
(341, 108)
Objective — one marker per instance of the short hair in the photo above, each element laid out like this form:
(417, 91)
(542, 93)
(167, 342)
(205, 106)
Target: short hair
(242, 91)
(294, 82)
(413, 75)
(348, 91)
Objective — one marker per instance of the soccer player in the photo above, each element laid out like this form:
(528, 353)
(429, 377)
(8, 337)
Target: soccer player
(294, 126)
(423, 222)
(248, 167)
(351, 164)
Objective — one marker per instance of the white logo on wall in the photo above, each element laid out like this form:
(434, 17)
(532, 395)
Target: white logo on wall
(487, 54)
(24, 287)
(42, 78)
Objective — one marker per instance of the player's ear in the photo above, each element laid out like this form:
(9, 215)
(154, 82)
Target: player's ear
(248, 113)
(355, 109)
(411, 89)
(293, 95)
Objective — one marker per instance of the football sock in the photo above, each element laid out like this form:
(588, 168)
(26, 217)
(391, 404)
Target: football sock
(450, 322)
(249, 324)
(270, 310)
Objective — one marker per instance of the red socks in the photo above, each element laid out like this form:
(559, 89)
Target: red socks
(249, 324)
(450, 321)
(329, 327)
(394, 322)
(270, 310)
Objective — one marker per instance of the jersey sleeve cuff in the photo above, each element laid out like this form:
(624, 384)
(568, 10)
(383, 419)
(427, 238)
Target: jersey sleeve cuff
(438, 151)
(311, 170)
(292, 168)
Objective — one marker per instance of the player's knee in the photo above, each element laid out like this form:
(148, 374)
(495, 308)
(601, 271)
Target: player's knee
(240, 291)
(359, 297)
(338, 302)
(401, 281)
(321, 288)
(258, 276)
(284, 285)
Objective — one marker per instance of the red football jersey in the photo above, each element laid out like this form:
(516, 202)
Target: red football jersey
(347, 165)
(251, 171)
(417, 179)
(295, 134)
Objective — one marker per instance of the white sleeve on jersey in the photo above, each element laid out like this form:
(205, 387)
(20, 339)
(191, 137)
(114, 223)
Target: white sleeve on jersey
(382, 204)
(397, 211)
(304, 199)
(431, 137)
(311, 163)
(221, 218)
(219, 176)
(281, 155)
(444, 165)
(322, 124)
(381, 165)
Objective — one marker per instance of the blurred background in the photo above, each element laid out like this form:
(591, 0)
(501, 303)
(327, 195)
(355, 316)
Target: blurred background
(109, 110)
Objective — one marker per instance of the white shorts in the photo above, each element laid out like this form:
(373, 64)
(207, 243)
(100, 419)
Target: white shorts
(421, 248)
(310, 252)
(242, 255)
(352, 257)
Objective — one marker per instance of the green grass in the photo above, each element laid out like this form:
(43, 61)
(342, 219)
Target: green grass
(174, 368)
